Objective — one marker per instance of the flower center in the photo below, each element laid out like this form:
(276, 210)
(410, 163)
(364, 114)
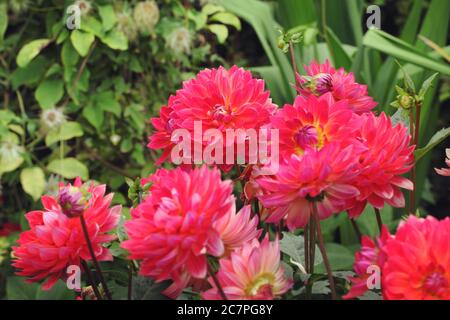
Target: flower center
(307, 137)
(220, 113)
(261, 286)
(436, 284)
(72, 201)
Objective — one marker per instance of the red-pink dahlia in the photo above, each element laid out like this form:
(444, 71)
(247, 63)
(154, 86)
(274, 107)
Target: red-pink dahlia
(417, 263)
(322, 176)
(172, 231)
(252, 272)
(445, 171)
(218, 98)
(323, 78)
(56, 239)
(312, 123)
(370, 255)
(388, 155)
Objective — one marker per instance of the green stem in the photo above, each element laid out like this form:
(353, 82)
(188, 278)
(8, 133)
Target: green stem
(216, 282)
(94, 258)
(91, 280)
(379, 220)
(321, 244)
(356, 228)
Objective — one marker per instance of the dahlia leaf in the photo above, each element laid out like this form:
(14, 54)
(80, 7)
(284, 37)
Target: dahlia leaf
(33, 182)
(438, 137)
(30, 51)
(339, 256)
(426, 86)
(146, 289)
(58, 292)
(293, 246)
(18, 289)
(69, 168)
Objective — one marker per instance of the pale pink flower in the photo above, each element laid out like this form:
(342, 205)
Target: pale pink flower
(252, 272)
(445, 171)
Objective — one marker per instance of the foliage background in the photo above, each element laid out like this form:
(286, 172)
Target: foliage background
(109, 78)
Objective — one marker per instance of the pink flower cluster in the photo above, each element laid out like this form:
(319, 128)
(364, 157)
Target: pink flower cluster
(336, 153)
(414, 264)
(190, 215)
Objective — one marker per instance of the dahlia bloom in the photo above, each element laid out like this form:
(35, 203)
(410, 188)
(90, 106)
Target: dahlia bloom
(388, 155)
(235, 229)
(312, 123)
(323, 78)
(218, 98)
(324, 176)
(171, 230)
(445, 171)
(252, 272)
(371, 254)
(417, 266)
(56, 241)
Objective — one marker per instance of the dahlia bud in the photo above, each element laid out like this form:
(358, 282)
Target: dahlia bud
(319, 84)
(180, 41)
(72, 201)
(88, 293)
(406, 102)
(146, 16)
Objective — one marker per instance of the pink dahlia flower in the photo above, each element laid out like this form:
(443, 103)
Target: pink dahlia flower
(252, 272)
(445, 171)
(172, 232)
(221, 99)
(235, 229)
(417, 266)
(371, 254)
(56, 239)
(312, 123)
(388, 155)
(324, 176)
(323, 78)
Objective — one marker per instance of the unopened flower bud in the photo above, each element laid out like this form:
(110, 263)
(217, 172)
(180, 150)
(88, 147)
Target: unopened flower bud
(320, 84)
(72, 201)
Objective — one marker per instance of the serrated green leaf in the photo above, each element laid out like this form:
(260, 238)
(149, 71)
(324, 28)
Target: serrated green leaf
(30, 51)
(82, 41)
(58, 292)
(69, 168)
(339, 256)
(67, 131)
(49, 92)
(33, 182)
(426, 85)
(146, 289)
(18, 289)
(294, 247)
